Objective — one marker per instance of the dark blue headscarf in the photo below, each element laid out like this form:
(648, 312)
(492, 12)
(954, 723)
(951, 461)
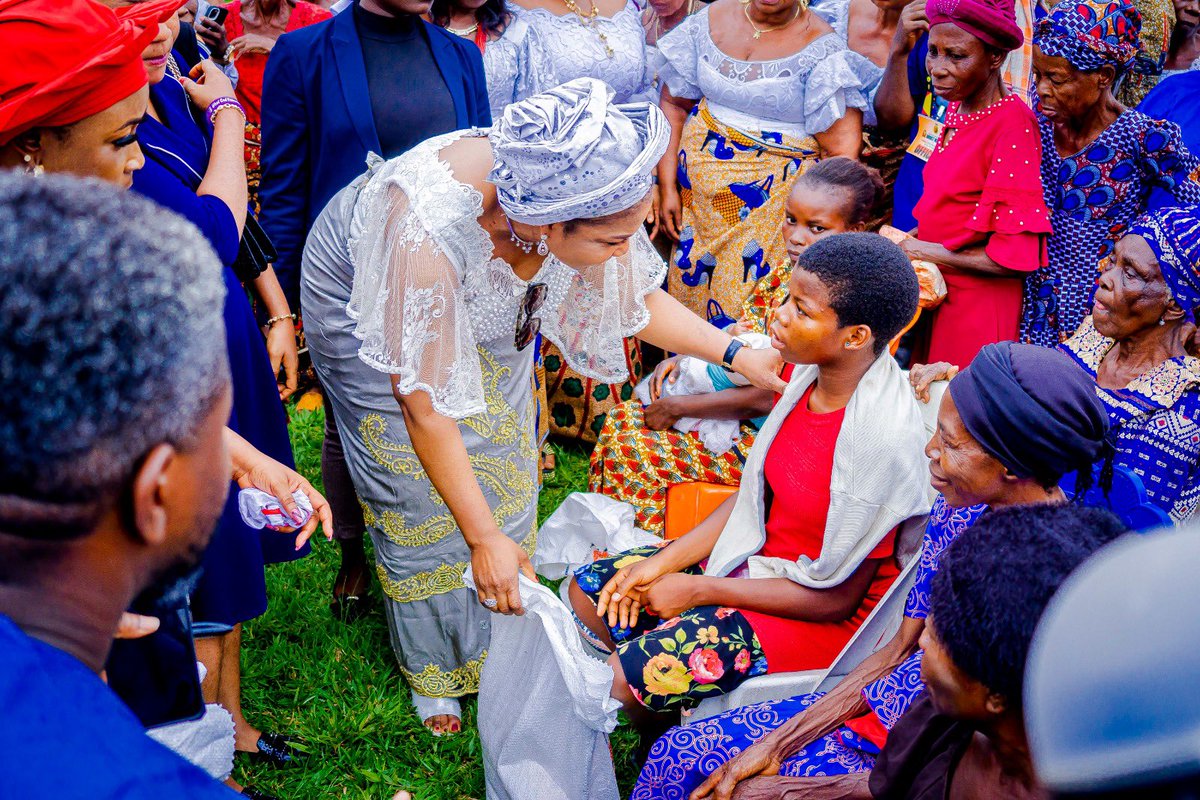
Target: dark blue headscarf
(1032, 409)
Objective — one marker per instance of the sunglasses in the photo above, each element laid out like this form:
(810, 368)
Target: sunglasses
(528, 325)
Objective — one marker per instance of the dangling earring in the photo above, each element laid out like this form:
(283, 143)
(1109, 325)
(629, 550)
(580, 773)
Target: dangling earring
(1162, 321)
(543, 249)
(31, 168)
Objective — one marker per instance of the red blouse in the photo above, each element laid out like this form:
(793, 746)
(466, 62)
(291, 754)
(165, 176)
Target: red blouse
(798, 470)
(252, 66)
(983, 183)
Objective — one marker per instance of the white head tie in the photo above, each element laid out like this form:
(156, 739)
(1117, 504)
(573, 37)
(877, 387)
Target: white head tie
(570, 153)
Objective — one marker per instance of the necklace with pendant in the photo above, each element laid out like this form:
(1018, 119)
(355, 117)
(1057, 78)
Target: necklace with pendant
(758, 32)
(589, 21)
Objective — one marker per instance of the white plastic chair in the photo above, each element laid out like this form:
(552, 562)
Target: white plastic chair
(878, 628)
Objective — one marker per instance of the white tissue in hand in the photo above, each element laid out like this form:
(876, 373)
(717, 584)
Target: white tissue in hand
(262, 510)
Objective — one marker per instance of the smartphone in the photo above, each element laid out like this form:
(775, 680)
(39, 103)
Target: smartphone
(156, 675)
(216, 13)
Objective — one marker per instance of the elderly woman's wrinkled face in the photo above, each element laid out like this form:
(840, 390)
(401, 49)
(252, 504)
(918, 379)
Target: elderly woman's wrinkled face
(587, 243)
(953, 693)
(102, 146)
(1131, 295)
(814, 212)
(805, 328)
(1187, 15)
(1066, 93)
(959, 64)
(959, 467)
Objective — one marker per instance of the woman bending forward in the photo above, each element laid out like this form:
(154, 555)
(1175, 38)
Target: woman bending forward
(438, 269)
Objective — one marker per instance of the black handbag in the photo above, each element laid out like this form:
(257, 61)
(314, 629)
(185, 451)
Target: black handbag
(255, 252)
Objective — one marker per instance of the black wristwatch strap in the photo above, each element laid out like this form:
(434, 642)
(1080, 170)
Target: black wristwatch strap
(730, 352)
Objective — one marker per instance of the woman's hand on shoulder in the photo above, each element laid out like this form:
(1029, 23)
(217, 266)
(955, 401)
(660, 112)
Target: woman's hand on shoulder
(206, 83)
(922, 376)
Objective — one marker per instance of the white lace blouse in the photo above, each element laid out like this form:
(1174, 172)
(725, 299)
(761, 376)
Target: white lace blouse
(574, 49)
(837, 14)
(799, 95)
(515, 67)
(428, 291)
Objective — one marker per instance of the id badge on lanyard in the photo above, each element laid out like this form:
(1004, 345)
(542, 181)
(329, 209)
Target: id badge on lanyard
(930, 123)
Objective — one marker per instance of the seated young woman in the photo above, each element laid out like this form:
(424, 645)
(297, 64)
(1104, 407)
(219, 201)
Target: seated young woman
(639, 455)
(781, 575)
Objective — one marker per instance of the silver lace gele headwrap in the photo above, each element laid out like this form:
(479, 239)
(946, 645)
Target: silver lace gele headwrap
(570, 153)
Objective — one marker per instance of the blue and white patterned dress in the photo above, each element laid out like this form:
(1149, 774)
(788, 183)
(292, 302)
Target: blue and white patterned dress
(686, 755)
(1093, 197)
(1155, 422)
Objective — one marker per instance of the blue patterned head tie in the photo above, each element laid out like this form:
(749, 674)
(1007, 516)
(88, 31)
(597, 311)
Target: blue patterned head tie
(1091, 35)
(1174, 236)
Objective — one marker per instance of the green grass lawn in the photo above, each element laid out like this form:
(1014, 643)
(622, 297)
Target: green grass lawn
(337, 685)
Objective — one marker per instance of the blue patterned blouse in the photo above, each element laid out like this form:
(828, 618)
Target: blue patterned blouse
(1093, 196)
(1155, 422)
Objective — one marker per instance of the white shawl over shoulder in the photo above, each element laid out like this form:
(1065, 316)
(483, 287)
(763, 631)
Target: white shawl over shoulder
(880, 480)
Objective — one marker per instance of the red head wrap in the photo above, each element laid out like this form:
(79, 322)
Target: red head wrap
(76, 59)
(993, 22)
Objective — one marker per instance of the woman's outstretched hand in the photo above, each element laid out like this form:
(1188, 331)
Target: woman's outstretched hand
(761, 368)
(496, 561)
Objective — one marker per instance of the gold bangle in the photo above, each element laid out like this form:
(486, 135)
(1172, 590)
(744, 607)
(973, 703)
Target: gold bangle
(271, 322)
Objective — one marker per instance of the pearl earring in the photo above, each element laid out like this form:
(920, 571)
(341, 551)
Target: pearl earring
(543, 249)
(32, 168)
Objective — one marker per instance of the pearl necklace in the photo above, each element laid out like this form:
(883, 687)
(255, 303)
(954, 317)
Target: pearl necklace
(465, 33)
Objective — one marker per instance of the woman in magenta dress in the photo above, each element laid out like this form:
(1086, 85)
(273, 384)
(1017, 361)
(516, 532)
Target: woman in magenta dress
(982, 217)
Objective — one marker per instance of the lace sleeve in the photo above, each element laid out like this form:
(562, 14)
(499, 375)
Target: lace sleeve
(589, 312)
(535, 73)
(832, 87)
(407, 304)
(676, 57)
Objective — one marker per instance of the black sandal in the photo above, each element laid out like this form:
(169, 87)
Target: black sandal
(277, 750)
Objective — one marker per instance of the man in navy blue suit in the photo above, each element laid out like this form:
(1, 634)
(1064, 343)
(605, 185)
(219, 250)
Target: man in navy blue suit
(374, 79)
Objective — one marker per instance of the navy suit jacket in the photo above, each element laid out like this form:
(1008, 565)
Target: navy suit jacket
(317, 124)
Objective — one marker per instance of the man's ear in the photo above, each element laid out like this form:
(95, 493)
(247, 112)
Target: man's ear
(148, 495)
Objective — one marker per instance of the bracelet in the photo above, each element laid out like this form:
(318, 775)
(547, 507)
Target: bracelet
(271, 322)
(730, 352)
(219, 105)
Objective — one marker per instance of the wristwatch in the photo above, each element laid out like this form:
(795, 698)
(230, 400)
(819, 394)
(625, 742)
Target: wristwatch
(730, 352)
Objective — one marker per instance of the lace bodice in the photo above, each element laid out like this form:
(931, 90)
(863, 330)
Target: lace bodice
(515, 67)
(428, 291)
(837, 14)
(573, 49)
(800, 94)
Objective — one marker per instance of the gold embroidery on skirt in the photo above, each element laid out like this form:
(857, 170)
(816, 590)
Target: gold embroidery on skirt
(433, 681)
(440, 580)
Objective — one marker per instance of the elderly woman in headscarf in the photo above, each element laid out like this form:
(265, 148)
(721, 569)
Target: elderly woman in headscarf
(425, 282)
(981, 217)
(1135, 346)
(1010, 426)
(1100, 160)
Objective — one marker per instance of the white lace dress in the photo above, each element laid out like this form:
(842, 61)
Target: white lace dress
(575, 49)
(515, 66)
(399, 282)
(797, 95)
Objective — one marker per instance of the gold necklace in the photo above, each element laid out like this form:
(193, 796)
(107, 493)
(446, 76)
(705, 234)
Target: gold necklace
(589, 21)
(760, 31)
